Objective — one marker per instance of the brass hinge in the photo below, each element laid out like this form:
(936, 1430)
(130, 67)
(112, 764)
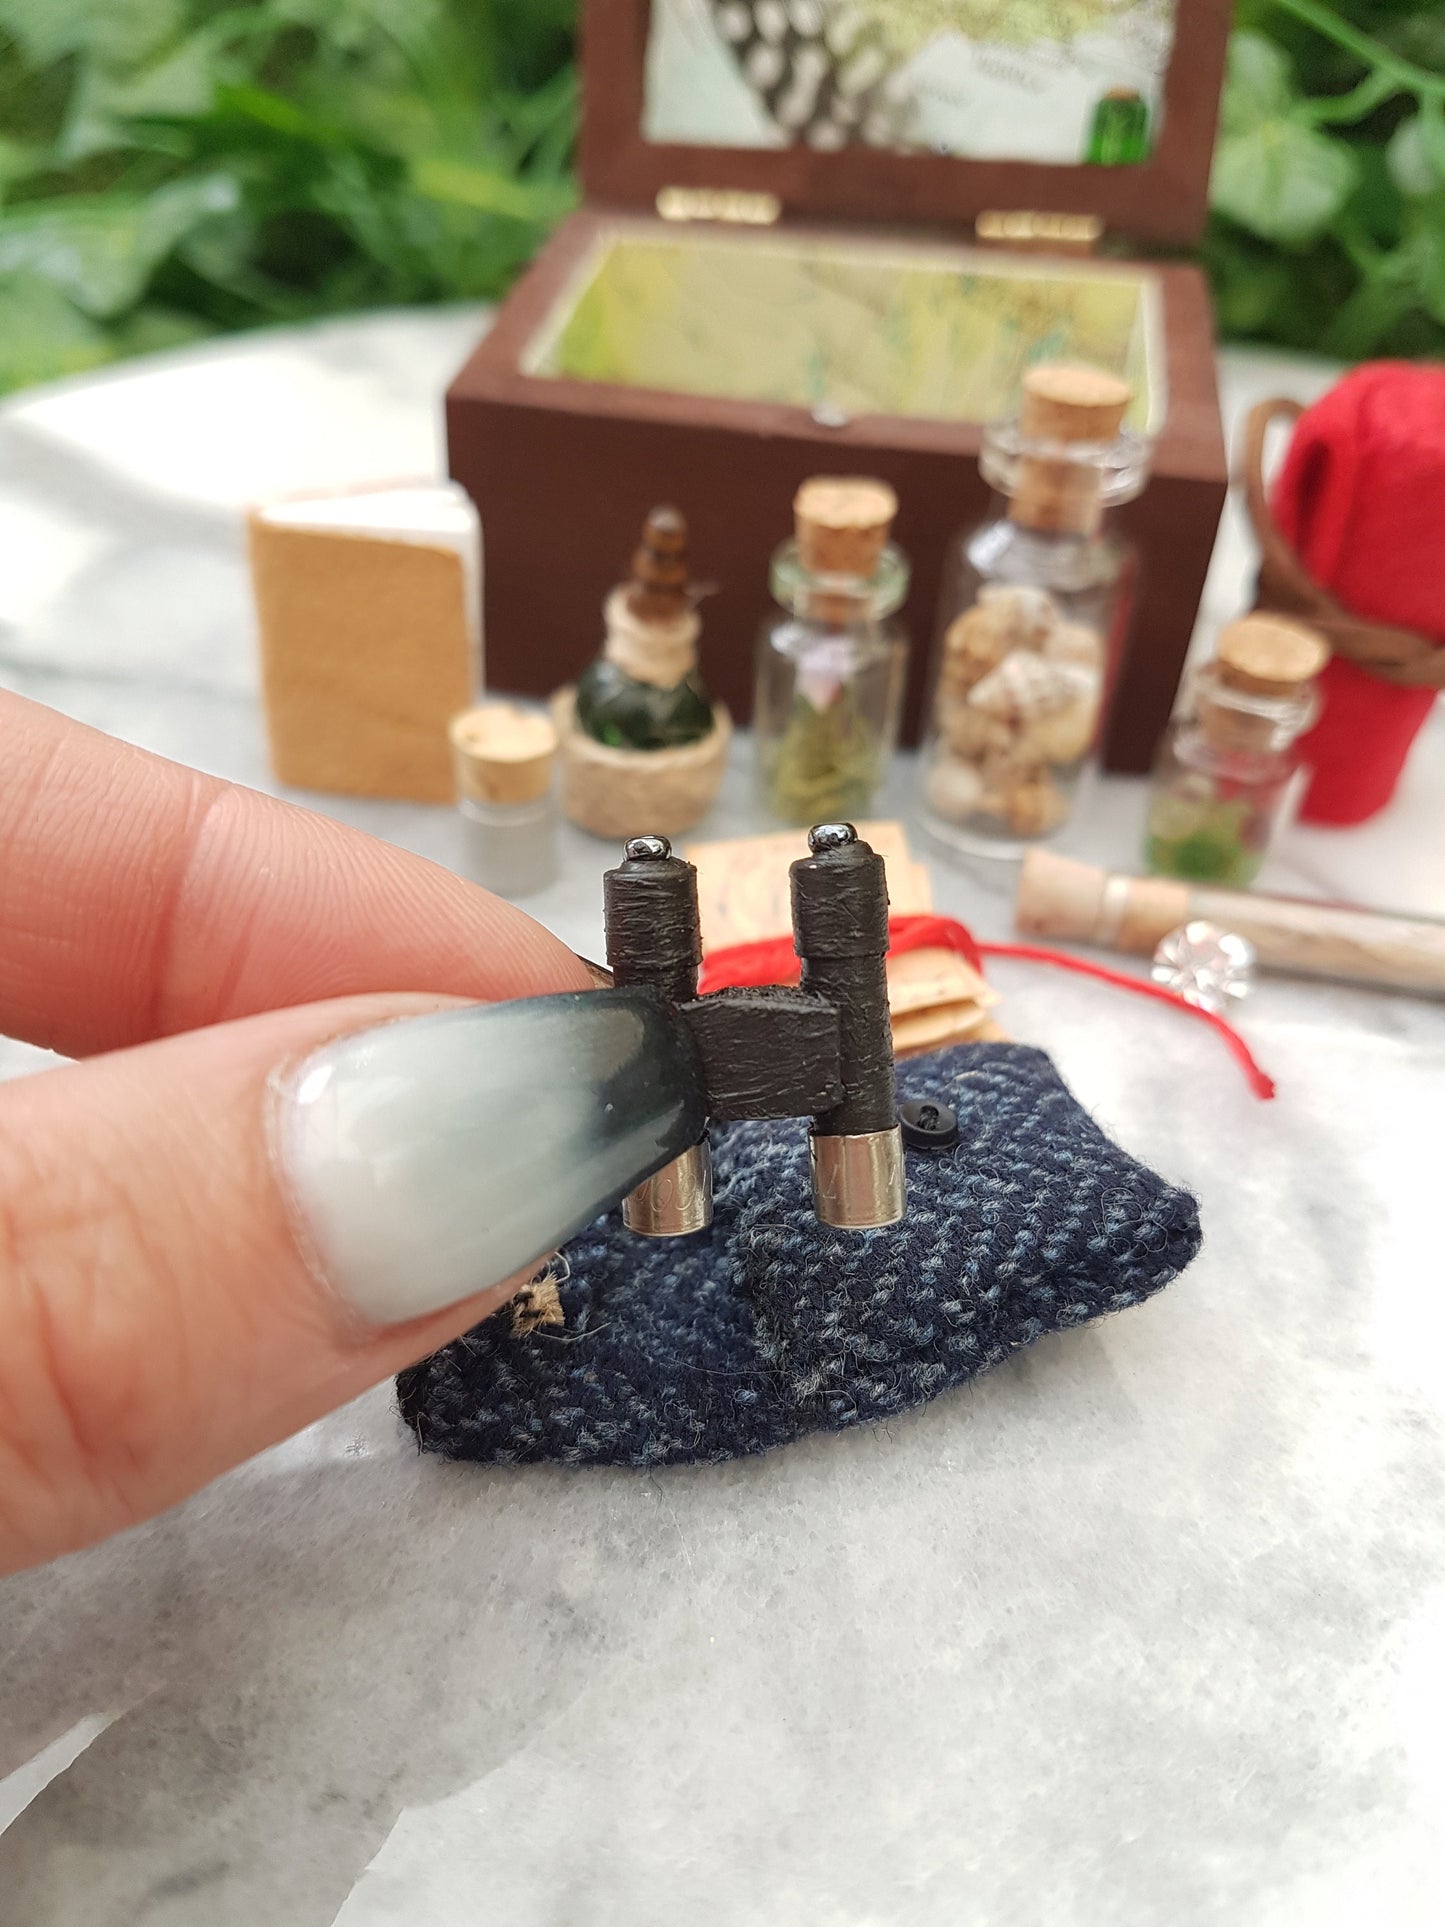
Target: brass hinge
(730, 204)
(1033, 227)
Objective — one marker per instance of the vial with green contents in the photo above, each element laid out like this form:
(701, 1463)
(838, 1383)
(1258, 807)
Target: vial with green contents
(1200, 833)
(831, 665)
(644, 691)
(1119, 134)
(1227, 765)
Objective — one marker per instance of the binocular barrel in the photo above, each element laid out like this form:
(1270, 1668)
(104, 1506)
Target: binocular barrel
(654, 942)
(840, 931)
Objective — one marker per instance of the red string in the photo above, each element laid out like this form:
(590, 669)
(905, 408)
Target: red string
(1260, 1082)
(774, 961)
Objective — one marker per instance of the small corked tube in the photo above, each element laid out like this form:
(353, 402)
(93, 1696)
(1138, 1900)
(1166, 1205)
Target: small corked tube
(1061, 898)
(654, 942)
(840, 931)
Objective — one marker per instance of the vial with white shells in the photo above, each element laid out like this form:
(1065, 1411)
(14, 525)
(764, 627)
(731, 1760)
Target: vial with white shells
(1035, 604)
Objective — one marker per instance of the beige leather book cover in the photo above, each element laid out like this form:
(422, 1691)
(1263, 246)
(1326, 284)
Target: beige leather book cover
(367, 606)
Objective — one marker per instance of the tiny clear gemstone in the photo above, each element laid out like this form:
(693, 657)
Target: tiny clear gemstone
(1205, 965)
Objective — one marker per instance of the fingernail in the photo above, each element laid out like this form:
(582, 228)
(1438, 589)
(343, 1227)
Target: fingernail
(433, 1157)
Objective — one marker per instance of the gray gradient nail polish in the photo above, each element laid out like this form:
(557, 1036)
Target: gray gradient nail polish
(435, 1156)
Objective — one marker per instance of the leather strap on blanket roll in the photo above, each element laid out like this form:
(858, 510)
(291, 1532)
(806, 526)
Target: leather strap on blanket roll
(1396, 655)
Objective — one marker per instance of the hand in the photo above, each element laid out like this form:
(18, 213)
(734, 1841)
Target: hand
(210, 1235)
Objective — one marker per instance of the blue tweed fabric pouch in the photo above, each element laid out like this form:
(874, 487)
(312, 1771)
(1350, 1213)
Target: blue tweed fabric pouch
(771, 1325)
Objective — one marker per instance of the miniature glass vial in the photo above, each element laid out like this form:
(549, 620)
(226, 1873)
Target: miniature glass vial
(502, 759)
(1035, 605)
(1226, 766)
(831, 667)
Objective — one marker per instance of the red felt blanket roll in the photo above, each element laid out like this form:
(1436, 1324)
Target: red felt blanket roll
(1361, 498)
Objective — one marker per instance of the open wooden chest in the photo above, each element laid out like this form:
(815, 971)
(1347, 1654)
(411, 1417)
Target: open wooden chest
(830, 235)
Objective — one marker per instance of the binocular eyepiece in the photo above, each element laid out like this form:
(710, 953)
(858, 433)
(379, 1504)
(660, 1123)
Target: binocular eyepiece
(823, 1051)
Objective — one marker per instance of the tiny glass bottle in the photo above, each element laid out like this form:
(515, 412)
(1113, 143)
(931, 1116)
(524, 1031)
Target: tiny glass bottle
(1119, 131)
(502, 760)
(1036, 602)
(644, 690)
(1226, 766)
(831, 667)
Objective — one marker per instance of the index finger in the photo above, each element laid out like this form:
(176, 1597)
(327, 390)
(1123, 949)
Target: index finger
(139, 898)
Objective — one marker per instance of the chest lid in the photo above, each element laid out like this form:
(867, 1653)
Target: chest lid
(927, 111)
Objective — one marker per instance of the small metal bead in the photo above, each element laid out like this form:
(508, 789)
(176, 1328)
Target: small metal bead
(928, 1124)
(646, 849)
(831, 836)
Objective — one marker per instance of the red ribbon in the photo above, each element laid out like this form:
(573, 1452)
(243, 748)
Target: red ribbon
(774, 961)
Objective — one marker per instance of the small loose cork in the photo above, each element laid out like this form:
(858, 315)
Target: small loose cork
(660, 590)
(502, 753)
(1269, 655)
(843, 523)
(1064, 403)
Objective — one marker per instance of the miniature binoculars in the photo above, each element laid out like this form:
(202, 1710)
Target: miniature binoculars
(823, 1051)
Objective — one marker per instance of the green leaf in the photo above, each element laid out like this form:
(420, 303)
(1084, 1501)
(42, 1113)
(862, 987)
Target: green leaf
(1422, 255)
(278, 115)
(1377, 203)
(1248, 299)
(153, 328)
(440, 179)
(42, 336)
(1282, 180)
(1409, 163)
(1362, 323)
(182, 84)
(368, 151)
(1258, 85)
(17, 159)
(122, 32)
(1432, 135)
(102, 249)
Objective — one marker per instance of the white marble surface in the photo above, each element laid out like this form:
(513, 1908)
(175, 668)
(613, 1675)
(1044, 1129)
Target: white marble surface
(1146, 1627)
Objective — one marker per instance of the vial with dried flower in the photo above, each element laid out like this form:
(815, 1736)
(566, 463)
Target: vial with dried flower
(831, 664)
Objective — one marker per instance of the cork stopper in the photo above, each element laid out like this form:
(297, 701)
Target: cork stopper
(1266, 655)
(1061, 402)
(502, 753)
(842, 523)
(659, 590)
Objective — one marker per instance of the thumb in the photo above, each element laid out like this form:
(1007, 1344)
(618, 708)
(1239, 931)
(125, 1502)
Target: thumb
(207, 1242)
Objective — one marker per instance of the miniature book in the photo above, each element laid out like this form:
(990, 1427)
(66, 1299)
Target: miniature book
(369, 610)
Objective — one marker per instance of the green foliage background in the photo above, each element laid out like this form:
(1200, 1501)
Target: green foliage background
(171, 168)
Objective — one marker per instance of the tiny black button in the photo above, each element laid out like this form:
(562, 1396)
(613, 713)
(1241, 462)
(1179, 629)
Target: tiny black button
(928, 1124)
